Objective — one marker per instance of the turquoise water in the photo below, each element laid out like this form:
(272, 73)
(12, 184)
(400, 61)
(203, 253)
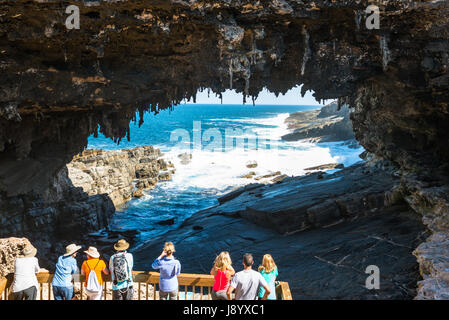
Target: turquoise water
(222, 139)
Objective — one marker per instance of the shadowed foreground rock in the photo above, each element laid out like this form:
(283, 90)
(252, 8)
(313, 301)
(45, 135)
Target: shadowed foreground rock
(331, 229)
(324, 263)
(315, 200)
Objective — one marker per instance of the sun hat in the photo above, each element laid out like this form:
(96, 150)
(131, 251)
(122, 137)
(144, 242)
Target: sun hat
(71, 249)
(29, 251)
(121, 245)
(93, 252)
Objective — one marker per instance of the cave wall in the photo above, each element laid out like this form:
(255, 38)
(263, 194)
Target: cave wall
(58, 86)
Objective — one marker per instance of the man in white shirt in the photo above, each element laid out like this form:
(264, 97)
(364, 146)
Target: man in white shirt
(246, 283)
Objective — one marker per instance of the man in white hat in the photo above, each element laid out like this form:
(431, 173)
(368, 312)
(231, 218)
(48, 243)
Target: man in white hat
(121, 265)
(65, 267)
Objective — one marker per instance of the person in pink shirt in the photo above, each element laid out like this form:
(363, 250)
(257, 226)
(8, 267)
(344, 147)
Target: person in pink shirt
(222, 272)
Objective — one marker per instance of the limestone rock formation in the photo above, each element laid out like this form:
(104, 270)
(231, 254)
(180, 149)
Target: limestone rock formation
(328, 166)
(326, 125)
(10, 249)
(115, 172)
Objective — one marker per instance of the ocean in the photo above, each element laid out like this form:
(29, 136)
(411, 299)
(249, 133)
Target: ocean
(223, 140)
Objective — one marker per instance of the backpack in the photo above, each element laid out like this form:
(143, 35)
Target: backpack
(93, 285)
(121, 272)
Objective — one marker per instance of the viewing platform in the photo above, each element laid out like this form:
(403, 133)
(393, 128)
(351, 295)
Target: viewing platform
(146, 287)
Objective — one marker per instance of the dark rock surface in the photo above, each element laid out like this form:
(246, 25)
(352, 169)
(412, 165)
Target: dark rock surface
(119, 174)
(323, 263)
(299, 203)
(323, 233)
(167, 222)
(328, 124)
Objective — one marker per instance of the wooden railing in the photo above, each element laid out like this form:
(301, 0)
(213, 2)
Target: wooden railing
(191, 286)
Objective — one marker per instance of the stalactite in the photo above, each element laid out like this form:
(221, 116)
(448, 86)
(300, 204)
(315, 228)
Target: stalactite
(358, 18)
(383, 44)
(230, 74)
(307, 51)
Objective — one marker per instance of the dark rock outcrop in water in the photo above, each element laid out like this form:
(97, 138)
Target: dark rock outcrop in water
(345, 234)
(58, 86)
(328, 124)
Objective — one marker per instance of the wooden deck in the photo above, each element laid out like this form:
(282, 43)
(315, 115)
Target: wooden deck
(191, 286)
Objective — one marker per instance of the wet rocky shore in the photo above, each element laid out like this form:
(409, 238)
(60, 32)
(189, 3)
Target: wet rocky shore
(323, 230)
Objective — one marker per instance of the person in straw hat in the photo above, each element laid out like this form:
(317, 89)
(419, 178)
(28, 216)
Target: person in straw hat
(94, 263)
(65, 267)
(120, 266)
(25, 281)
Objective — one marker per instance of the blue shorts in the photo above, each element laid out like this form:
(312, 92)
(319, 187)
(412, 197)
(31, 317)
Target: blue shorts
(63, 293)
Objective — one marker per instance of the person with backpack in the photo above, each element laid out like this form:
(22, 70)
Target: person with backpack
(94, 280)
(120, 266)
(169, 269)
(65, 267)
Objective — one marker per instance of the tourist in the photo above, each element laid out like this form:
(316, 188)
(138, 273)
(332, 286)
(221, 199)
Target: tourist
(269, 272)
(222, 271)
(94, 282)
(246, 283)
(26, 266)
(62, 279)
(120, 266)
(169, 269)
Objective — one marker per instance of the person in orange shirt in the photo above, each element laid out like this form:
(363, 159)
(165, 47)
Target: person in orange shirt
(94, 263)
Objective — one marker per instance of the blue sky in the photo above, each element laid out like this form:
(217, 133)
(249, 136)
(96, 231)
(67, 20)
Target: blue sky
(292, 97)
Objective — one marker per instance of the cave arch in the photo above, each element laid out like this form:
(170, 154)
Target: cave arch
(59, 85)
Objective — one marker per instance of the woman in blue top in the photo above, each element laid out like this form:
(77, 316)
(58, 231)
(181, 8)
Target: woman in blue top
(269, 272)
(169, 268)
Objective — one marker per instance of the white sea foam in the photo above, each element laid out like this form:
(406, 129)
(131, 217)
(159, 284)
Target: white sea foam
(219, 170)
